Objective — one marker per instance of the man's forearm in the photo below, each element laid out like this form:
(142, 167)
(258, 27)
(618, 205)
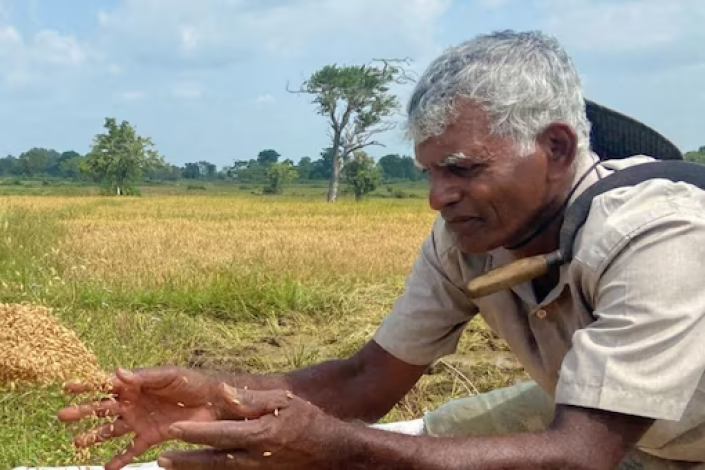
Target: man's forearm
(324, 384)
(368, 448)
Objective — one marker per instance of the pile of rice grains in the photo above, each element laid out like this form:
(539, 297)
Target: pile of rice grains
(35, 348)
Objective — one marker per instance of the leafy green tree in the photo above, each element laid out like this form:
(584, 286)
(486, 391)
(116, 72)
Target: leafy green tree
(191, 171)
(36, 161)
(120, 157)
(9, 166)
(278, 175)
(166, 172)
(71, 167)
(268, 157)
(304, 168)
(207, 169)
(697, 156)
(362, 174)
(391, 166)
(55, 160)
(322, 169)
(400, 167)
(357, 102)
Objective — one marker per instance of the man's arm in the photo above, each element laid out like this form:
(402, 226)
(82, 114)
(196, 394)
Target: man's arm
(578, 439)
(425, 323)
(362, 387)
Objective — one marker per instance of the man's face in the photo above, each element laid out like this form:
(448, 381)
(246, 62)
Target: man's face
(490, 196)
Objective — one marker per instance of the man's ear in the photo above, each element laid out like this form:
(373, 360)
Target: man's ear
(559, 143)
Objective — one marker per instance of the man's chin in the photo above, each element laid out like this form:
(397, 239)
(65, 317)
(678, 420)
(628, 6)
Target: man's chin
(474, 245)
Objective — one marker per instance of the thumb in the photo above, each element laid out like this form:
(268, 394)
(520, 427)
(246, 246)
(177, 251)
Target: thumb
(127, 376)
(253, 404)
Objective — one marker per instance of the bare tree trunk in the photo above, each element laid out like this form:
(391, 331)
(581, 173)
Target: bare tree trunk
(334, 179)
(337, 166)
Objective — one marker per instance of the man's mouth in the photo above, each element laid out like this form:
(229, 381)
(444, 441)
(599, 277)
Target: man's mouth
(463, 221)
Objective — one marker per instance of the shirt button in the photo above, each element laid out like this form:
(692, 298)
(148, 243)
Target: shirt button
(541, 313)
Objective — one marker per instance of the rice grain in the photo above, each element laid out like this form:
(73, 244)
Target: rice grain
(35, 348)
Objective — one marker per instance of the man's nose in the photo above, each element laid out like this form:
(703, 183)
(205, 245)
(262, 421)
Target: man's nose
(443, 194)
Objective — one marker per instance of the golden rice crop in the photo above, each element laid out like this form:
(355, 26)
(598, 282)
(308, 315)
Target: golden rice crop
(146, 241)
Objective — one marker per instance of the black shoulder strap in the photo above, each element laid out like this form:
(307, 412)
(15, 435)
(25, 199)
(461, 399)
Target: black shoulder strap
(577, 213)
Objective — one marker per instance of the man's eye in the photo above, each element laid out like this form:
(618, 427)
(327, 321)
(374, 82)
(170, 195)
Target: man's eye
(462, 170)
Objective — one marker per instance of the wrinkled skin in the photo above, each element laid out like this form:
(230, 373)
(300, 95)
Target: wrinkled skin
(145, 403)
(282, 431)
(495, 197)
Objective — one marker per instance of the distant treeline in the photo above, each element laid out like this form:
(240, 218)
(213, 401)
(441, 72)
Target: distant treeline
(41, 162)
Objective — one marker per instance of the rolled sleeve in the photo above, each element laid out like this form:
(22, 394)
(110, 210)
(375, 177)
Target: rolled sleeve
(427, 320)
(644, 354)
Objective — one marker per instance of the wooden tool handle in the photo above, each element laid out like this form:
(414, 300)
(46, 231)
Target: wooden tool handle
(507, 276)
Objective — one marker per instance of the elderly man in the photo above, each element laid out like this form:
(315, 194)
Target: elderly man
(612, 339)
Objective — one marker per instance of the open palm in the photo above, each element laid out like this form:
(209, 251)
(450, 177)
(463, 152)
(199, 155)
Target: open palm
(146, 403)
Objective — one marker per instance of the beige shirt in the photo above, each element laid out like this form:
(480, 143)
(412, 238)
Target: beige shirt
(624, 329)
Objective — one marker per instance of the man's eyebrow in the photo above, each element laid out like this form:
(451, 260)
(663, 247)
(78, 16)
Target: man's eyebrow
(454, 158)
(451, 159)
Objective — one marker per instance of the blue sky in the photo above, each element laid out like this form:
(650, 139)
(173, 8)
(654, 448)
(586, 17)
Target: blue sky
(206, 79)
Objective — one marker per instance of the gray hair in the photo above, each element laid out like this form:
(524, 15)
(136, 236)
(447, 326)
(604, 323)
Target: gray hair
(525, 81)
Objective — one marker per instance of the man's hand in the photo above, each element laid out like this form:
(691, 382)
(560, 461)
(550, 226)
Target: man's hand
(145, 402)
(279, 431)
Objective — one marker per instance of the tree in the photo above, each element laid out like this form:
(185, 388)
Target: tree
(9, 166)
(119, 157)
(207, 169)
(71, 167)
(268, 157)
(278, 175)
(191, 171)
(697, 156)
(304, 168)
(322, 169)
(362, 174)
(36, 160)
(357, 101)
(166, 172)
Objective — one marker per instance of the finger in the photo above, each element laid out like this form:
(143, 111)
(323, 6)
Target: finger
(98, 409)
(205, 459)
(134, 450)
(153, 378)
(102, 433)
(111, 385)
(254, 404)
(222, 434)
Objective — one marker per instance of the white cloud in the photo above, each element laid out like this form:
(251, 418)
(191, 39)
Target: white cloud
(224, 31)
(616, 27)
(114, 69)
(189, 38)
(493, 3)
(9, 36)
(187, 90)
(132, 95)
(54, 48)
(266, 98)
(48, 52)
